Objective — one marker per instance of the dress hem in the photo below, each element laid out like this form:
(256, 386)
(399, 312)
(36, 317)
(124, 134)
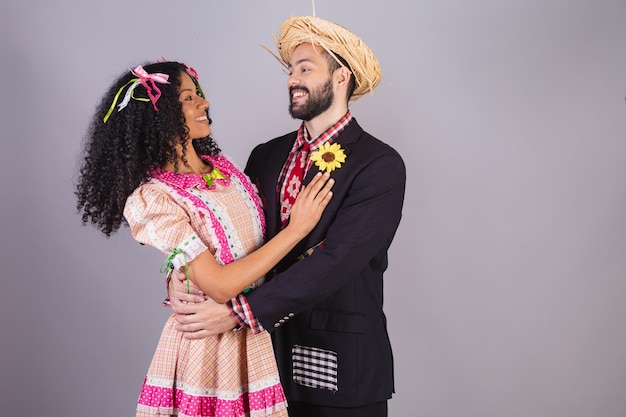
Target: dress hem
(162, 401)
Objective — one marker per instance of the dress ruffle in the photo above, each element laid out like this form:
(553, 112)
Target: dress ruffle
(232, 374)
(161, 401)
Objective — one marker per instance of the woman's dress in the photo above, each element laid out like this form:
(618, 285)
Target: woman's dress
(226, 375)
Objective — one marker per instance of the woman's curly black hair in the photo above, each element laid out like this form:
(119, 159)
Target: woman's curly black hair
(120, 153)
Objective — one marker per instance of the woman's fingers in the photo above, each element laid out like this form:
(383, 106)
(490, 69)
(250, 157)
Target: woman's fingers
(325, 193)
(319, 187)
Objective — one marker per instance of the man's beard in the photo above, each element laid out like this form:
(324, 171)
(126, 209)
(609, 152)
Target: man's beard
(317, 102)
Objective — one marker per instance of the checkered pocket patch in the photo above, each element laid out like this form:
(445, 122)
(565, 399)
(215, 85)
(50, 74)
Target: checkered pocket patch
(314, 367)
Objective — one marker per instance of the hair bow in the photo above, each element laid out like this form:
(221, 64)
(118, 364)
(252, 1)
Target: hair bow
(194, 74)
(145, 78)
(191, 71)
(148, 81)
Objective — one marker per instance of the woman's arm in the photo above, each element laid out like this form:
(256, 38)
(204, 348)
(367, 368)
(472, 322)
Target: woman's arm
(222, 282)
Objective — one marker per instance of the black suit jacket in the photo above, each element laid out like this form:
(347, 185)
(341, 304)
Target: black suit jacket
(326, 312)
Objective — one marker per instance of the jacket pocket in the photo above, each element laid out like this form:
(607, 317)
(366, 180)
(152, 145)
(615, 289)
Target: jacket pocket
(338, 321)
(314, 367)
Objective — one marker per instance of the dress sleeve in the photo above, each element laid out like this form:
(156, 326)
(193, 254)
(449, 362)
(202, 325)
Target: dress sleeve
(157, 219)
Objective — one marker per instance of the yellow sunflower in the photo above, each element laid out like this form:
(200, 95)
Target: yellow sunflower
(328, 157)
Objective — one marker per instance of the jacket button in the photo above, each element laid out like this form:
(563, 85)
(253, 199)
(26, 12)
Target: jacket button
(276, 324)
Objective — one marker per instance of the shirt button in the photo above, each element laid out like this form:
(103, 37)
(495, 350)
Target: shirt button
(276, 324)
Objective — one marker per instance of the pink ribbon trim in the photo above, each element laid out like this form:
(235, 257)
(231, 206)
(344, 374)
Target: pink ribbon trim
(149, 82)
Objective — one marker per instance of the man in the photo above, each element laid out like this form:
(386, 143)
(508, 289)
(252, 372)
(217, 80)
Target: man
(323, 303)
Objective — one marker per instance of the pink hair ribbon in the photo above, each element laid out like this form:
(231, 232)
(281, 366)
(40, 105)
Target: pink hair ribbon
(191, 71)
(145, 78)
(148, 81)
(194, 74)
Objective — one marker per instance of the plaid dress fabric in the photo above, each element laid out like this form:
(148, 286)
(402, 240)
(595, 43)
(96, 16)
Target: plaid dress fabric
(227, 375)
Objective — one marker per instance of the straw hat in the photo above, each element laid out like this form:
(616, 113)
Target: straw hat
(335, 39)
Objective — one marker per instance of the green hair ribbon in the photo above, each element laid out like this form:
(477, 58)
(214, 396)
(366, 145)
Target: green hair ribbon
(148, 81)
(117, 96)
(169, 266)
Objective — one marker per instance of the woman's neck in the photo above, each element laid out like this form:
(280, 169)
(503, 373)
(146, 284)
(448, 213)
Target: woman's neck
(194, 165)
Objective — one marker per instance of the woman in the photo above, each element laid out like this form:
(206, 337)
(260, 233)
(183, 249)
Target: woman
(150, 162)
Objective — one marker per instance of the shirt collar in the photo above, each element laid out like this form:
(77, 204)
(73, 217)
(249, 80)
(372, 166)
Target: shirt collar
(329, 134)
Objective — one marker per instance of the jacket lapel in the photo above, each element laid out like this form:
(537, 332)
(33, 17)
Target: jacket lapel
(350, 135)
(274, 166)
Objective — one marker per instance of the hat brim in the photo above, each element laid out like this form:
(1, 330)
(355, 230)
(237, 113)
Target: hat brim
(335, 39)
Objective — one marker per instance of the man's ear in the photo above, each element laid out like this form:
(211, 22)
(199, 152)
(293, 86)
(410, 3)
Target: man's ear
(342, 81)
(342, 76)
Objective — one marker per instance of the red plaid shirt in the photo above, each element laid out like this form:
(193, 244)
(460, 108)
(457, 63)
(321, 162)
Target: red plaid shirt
(329, 135)
(240, 309)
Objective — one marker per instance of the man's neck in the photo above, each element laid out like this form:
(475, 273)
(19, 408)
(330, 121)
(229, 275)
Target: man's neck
(321, 123)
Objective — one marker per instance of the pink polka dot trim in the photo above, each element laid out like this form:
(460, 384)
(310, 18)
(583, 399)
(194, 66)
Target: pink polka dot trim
(182, 182)
(270, 400)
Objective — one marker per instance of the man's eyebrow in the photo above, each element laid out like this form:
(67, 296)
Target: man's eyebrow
(299, 62)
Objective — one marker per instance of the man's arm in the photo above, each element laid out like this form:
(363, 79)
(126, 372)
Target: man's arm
(358, 228)
(363, 226)
(197, 316)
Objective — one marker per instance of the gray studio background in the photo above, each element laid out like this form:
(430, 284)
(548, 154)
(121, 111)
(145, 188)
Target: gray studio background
(506, 286)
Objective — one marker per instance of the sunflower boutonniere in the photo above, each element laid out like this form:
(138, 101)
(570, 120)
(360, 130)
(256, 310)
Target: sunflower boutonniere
(328, 157)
